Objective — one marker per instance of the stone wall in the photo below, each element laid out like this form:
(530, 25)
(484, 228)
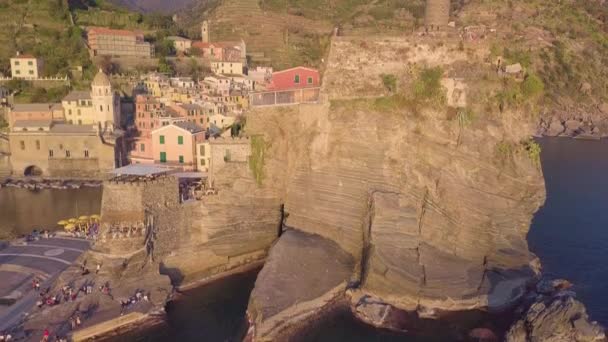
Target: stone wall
(226, 151)
(36, 147)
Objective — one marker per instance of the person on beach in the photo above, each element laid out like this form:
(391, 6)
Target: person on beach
(98, 268)
(45, 337)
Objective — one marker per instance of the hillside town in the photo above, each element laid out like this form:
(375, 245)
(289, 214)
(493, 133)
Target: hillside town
(169, 120)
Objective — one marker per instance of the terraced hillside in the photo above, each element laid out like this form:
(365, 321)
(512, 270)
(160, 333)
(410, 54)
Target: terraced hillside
(286, 39)
(43, 28)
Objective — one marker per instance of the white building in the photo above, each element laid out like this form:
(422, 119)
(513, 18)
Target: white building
(26, 67)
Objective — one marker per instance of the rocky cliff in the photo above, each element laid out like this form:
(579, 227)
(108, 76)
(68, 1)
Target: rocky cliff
(434, 212)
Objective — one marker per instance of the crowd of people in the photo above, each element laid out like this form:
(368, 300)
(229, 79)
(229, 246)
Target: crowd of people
(131, 301)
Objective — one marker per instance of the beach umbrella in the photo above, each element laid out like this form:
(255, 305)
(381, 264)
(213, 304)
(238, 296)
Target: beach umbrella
(72, 220)
(83, 218)
(62, 222)
(95, 217)
(69, 227)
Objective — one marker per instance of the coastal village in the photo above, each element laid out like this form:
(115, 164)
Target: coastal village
(339, 222)
(176, 122)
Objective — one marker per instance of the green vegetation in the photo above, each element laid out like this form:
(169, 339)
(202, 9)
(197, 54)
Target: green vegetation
(506, 151)
(427, 87)
(41, 95)
(390, 82)
(532, 86)
(533, 151)
(256, 160)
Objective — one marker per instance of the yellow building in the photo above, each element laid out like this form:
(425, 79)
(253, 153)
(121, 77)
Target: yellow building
(227, 68)
(100, 106)
(26, 67)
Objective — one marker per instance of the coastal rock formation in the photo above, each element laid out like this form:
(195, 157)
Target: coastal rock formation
(303, 273)
(553, 316)
(435, 215)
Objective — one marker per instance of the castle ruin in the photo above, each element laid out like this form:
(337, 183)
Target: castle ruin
(437, 14)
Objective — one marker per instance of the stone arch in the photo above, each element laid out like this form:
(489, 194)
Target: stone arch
(32, 171)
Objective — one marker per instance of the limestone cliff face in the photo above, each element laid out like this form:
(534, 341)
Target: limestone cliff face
(435, 213)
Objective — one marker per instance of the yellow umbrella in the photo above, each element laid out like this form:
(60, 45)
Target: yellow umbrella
(62, 222)
(95, 217)
(83, 218)
(69, 227)
(72, 220)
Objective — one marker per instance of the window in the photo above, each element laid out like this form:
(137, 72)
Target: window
(18, 72)
(16, 62)
(22, 143)
(67, 153)
(202, 162)
(86, 153)
(163, 157)
(142, 147)
(162, 139)
(31, 72)
(80, 122)
(30, 63)
(50, 153)
(202, 150)
(69, 112)
(78, 112)
(297, 79)
(309, 80)
(38, 144)
(181, 159)
(180, 140)
(101, 108)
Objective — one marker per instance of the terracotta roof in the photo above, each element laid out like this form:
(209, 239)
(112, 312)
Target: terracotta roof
(24, 56)
(108, 31)
(32, 123)
(77, 95)
(32, 107)
(68, 128)
(298, 67)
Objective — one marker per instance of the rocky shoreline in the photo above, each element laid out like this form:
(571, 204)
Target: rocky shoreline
(43, 183)
(574, 123)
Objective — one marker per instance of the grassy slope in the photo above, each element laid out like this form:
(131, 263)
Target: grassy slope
(565, 44)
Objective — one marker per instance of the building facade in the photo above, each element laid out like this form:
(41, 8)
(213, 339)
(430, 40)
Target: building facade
(26, 67)
(118, 43)
(61, 150)
(181, 44)
(176, 145)
(100, 106)
(295, 78)
(227, 68)
(34, 112)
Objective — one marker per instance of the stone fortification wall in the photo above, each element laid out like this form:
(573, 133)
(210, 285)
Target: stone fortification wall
(437, 13)
(225, 151)
(195, 239)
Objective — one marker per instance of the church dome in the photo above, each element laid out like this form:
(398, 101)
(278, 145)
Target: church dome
(101, 80)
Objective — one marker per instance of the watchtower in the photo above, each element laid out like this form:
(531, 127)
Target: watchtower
(437, 14)
(205, 31)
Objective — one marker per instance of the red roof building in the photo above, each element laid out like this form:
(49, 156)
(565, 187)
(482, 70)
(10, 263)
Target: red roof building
(295, 78)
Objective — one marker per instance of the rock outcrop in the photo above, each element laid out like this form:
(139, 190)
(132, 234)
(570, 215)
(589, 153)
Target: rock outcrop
(435, 215)
(590, 122)
(553, 315)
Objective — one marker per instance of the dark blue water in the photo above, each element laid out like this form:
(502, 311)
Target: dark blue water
(570, 232)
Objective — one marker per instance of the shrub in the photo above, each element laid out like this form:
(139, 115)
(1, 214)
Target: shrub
(428, 84)
(533, 150)
(532, 86)
(256, 160)
(390, 82)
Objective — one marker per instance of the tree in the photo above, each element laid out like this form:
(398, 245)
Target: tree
(194, 69)
(164, 66)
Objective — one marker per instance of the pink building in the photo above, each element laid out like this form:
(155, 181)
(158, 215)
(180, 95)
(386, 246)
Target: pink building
(294, 78)
(175, 144)
(35, 112)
